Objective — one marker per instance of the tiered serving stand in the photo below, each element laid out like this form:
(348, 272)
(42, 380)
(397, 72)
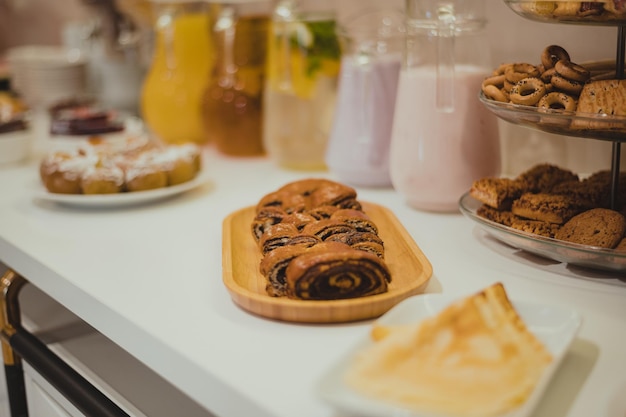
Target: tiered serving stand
(584, 125)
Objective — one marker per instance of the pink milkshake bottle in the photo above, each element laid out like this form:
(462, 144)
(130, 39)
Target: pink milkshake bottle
(358, 148)
(443, 138)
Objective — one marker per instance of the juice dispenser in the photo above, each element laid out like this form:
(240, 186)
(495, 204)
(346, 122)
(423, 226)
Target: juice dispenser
(358, 149)
(233, 101)
(443, 138)
(301, 85)
(172, 91)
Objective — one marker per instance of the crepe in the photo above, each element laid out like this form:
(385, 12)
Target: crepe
(475, 358)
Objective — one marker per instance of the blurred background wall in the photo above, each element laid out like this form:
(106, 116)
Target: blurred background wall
(514, 39)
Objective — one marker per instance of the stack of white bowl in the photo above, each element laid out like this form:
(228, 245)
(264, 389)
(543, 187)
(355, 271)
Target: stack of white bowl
(45, 75)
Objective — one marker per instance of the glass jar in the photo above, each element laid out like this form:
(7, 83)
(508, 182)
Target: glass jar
(172, 91)
(358, 149)
(443, 138)
(301, 85)
(233, 100)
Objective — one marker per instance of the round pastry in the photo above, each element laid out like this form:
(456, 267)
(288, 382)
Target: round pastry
(326, 228)
(322, 212)
(142, 176)
(333, 270)
(61, 172)
(266, 217)
(558, 101)
(572, 71)
(181, 163)
(366, 241)
(495, 93)
(274, 265)
(561, 83)
(496, 80)
(102, 178)
(517, 72)
(552, 54)
(492, 87)
(299, 220)
(277, 235)
(95, 169)
(289, 202)
(546, 76)
(308, 194)
(528, 91)
(356, 219)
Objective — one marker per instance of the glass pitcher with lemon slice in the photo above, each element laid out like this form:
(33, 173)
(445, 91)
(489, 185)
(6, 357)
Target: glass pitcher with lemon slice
(301, 85)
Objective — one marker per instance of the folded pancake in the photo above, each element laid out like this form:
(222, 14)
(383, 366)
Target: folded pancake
(333, 270)
(475, 358)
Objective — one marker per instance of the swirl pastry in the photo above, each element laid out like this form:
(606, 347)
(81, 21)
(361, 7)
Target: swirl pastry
(355, 218)
(298, 219)
(274, 266)
(326, 228)
(322, 212)
(264, 218)
(369, 242)
(333, 270)
(304, 195)
(317, 243)
(283, 234)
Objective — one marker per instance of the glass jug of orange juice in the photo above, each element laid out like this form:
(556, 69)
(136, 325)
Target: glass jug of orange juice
(172, 91)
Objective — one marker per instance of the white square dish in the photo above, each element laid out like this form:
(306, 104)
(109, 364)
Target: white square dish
(555, 327)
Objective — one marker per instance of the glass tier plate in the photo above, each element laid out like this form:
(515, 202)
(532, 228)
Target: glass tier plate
(565, 11)
(561, 122)
(558, 250)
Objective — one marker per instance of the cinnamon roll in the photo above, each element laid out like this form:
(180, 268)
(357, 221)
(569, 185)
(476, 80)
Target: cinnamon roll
(285, 234)
(274, 265)
(326, 228)
(333, 270)
(355, 218)
(266, 217)
(366, 241)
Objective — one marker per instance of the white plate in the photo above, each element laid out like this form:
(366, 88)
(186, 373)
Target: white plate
(121, 199)
(554, 326)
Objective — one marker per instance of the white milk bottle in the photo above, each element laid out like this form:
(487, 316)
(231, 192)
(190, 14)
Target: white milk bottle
(443, 138)
(358, 148)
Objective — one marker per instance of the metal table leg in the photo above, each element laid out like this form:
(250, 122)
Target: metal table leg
(18, 343)
(10, 284)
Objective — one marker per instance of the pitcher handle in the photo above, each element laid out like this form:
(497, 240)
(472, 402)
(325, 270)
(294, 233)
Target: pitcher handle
(445, 57)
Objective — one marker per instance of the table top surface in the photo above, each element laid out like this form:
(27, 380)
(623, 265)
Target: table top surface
(149, 277)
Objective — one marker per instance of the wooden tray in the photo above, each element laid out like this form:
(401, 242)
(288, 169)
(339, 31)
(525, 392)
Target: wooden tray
(410, 271)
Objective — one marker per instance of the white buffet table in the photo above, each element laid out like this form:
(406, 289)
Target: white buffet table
(149, 277)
